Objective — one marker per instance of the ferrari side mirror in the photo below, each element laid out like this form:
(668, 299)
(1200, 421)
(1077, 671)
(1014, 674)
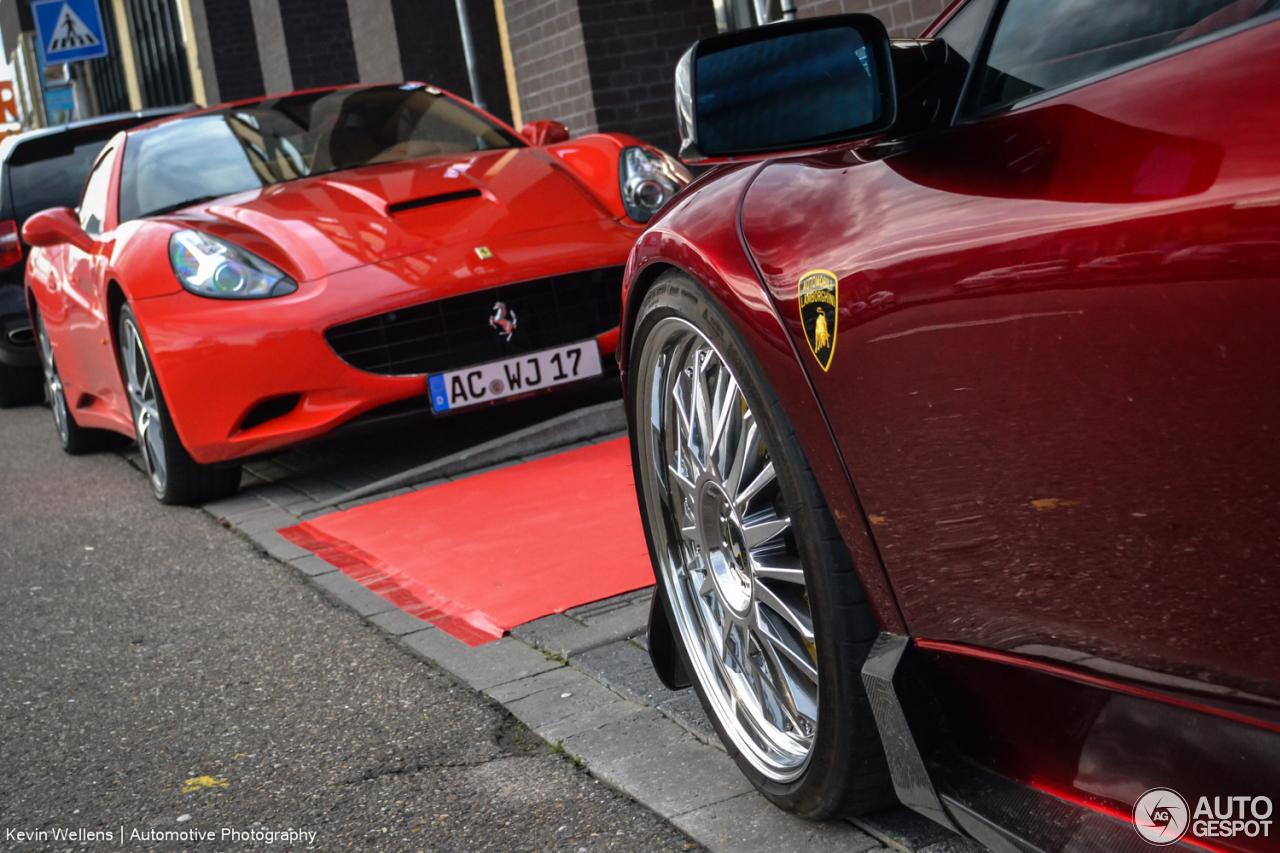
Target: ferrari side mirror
(544, 132)
(56, 226)
(789, 86)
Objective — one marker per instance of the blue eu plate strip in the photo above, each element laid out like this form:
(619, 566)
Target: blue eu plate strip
(439, 397)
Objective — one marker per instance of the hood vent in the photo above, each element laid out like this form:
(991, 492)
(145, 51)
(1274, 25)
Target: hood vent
(401, 206)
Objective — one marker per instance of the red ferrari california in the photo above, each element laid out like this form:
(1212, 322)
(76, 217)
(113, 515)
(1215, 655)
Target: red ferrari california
(954, 390)
(245, 277)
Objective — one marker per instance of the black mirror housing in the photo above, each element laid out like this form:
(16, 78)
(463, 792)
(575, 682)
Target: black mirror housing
(785, 87)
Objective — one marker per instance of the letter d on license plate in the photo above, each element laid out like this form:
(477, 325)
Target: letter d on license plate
(483, 383)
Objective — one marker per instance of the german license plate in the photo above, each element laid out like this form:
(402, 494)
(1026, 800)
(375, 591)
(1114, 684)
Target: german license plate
(534, 371)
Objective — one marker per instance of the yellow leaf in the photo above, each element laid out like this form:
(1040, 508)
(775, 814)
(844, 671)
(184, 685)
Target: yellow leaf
(193, 785)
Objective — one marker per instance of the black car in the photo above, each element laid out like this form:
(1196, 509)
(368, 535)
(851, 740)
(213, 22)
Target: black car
(41, 169)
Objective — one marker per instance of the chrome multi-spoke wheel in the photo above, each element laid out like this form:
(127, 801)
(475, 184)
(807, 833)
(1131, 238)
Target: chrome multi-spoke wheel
(144, 401)
(54, 392)
(726, 549)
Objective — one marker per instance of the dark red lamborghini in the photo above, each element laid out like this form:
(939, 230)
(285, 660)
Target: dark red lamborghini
(954, 392)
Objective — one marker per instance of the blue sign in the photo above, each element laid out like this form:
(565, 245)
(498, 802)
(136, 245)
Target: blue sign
(59, 101)
(69, 30)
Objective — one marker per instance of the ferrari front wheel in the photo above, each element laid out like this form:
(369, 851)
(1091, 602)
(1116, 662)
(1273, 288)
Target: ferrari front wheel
(74, 438)
(768, 612)
(175, 477)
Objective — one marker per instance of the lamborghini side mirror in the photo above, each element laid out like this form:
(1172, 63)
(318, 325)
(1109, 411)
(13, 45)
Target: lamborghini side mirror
(790, 86)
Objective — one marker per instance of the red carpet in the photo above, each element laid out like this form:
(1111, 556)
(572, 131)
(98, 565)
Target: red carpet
(479, 556)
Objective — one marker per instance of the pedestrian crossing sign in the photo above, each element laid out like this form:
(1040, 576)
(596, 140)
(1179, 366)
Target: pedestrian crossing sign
(69, 30)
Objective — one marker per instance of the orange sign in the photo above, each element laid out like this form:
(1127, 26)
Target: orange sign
(8, 102)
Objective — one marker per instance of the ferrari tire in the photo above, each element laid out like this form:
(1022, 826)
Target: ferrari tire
(75, 439)
(20, 386)
(175, 477)
(768, 613)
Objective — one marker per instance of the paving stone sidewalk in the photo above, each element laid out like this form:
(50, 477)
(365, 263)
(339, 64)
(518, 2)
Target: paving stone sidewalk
(581, 680)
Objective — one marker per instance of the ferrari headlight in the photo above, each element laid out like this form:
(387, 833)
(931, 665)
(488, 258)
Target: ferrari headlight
(207, 266)
(648, 181)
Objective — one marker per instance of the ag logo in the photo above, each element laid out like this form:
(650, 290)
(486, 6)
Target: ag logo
(819, 305)
(1161, 816)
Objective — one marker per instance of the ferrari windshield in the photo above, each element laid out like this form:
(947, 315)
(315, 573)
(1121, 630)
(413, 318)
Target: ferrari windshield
(280, 139)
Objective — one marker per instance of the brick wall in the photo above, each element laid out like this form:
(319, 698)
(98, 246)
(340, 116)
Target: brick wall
(488, 47)
(318, 36)
(431, 48)
(632, 49)
(903, 18)
(235, 53)
(431, 44)
(553, 78)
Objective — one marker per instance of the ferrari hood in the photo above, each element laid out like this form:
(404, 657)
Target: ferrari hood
(338, 221)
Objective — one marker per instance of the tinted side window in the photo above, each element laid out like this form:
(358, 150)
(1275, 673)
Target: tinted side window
(1043, 44)
(93, 206)
(37, 183)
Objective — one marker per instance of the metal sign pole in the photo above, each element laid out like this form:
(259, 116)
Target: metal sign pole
(469, 52)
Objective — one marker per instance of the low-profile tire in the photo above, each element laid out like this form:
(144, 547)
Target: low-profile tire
(175, 477)
(75, 439)
(769, 615)
(20, 386)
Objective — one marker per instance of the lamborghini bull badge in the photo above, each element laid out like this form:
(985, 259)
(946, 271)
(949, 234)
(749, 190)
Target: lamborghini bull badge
(819, 307)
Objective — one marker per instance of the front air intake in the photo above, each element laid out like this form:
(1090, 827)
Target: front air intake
(450, 333)
(269, 410)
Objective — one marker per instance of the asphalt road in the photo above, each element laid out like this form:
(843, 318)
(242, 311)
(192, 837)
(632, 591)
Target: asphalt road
(158, 674)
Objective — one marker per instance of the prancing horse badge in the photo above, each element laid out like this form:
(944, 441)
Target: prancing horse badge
(819, 307)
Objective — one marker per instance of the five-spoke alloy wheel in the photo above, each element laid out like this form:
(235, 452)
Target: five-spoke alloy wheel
(176, 478)
(144, 402)
(74, 438)
(54, 393)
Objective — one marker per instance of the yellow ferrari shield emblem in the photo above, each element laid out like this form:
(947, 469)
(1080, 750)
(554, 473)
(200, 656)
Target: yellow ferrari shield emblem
(819, 307)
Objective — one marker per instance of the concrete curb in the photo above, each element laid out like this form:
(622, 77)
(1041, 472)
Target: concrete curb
(580, 425)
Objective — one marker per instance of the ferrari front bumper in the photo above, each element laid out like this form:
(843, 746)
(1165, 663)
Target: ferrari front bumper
(222, 362)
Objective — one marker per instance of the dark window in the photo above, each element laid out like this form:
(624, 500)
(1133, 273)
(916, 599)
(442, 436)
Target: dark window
(1044, 44)
(281, 139)
(50, 172)
(163, 73)
(108, 72)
